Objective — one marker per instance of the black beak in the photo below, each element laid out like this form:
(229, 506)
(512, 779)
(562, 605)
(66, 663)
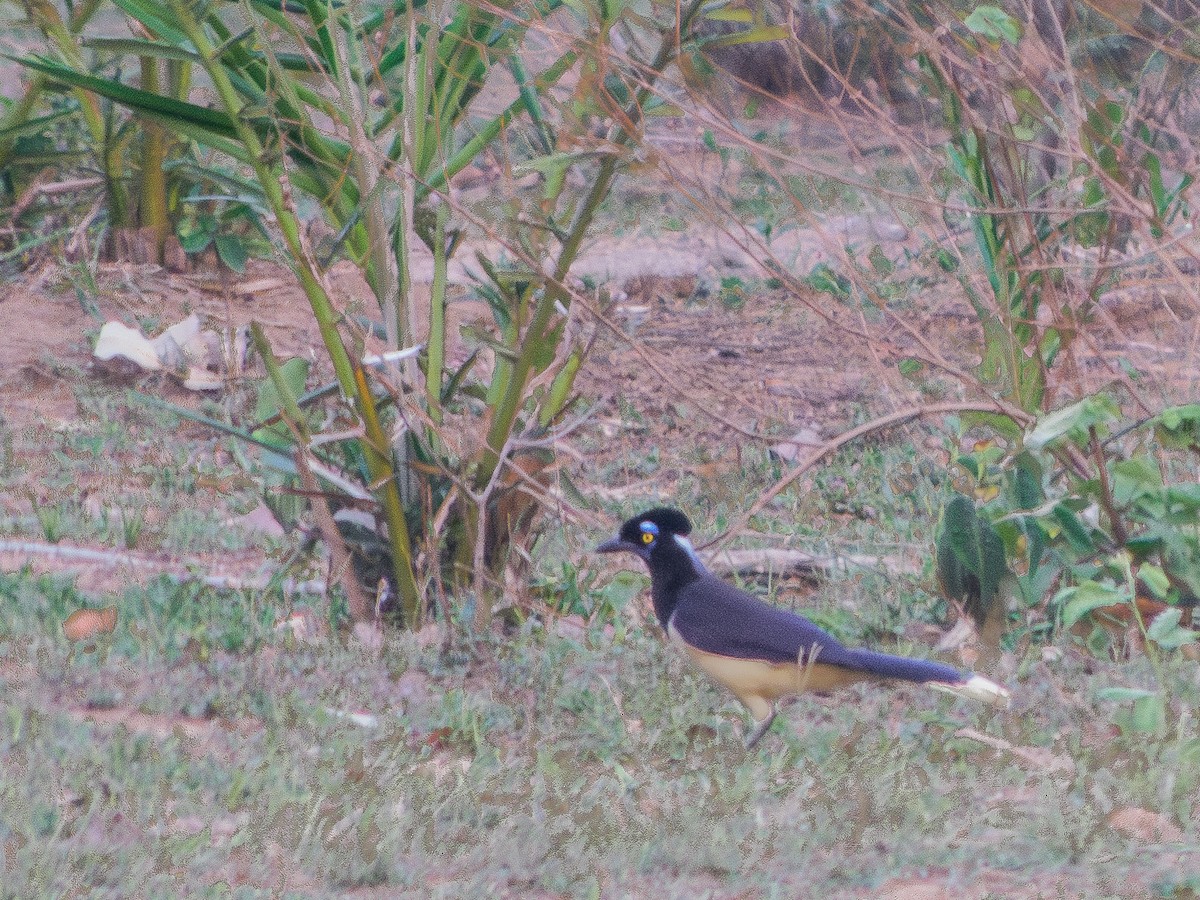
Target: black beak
(616, 545)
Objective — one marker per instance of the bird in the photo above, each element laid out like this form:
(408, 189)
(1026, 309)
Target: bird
(759, 652)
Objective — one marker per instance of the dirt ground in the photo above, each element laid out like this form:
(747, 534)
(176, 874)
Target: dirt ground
(711, 366)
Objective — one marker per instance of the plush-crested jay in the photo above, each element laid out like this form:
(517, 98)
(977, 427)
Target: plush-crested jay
(759, 652)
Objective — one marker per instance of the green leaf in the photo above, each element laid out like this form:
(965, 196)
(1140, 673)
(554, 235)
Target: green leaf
(294, 373)
(827, 281)
(970, 557)
(1003, 425)
(1178, 427)
(552, 165)
(994, 24)
(232, 250)
(142, 48)
(1123, 694)
(168, 108)
(1134, 478)
(1026, 481)
(1166, 631)
(196, 235)
(1149, 715)
(879, 260)
(759, 35)
(1074, 420)
(1086, 597)
(1079, 537)
(1157, 193)
(1156, 581)
(1186, 495)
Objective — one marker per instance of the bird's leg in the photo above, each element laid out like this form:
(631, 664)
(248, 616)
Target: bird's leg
(760, 728)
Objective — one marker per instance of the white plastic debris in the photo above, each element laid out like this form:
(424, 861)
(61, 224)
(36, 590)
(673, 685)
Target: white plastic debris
(128, 343)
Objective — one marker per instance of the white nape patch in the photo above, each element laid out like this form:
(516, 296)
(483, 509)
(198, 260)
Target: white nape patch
(691, 552)
(672, 631)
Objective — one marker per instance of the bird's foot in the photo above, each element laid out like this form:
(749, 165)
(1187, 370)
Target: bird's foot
(760, 729)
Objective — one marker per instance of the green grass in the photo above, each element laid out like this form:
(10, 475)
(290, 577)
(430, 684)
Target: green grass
(195, 747)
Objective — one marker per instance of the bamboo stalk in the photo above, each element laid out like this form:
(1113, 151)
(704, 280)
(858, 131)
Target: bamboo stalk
(350, 377)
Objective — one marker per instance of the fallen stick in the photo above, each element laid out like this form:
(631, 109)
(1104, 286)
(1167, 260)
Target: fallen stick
(14, 554)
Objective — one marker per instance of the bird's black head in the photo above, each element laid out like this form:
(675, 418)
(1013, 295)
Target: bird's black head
(659, 537)
(644, 533)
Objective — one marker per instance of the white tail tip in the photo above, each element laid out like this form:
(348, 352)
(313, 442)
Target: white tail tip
(976, 688)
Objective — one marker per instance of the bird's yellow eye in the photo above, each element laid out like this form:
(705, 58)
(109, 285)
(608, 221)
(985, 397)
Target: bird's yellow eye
(647, 537)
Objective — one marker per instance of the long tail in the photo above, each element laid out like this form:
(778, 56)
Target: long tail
(937, 675)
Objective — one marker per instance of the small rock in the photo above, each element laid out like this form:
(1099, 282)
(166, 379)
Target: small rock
(259, 520)
(806, 438)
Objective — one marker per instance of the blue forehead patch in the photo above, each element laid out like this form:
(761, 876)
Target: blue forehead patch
(648, 528)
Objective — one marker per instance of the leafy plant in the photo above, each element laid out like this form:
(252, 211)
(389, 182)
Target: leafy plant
(1045, 184)
(1089, 528)
(1073, 505)
(366, 111)
(134, 176)
(221, 210)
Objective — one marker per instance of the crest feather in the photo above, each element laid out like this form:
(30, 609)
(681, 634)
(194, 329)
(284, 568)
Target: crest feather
(668, 519)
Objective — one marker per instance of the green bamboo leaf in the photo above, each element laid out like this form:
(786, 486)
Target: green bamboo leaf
(30, 127)
(761, 35)
(294, 62)
(560, 390)
(231, 147)
(729, 14)
(166, 108)
(35, 242)
(531, 102)
(318, 13)
(486, 133)
(139, 47)
(191, 415)
(158, 19)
